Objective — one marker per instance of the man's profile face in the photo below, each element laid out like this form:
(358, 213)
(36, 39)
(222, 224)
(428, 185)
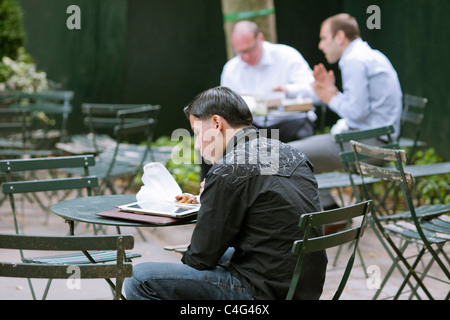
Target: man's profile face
(248, 47)
(208, 139)
(329, 45)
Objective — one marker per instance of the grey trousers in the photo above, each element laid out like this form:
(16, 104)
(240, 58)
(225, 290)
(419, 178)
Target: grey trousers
(323, 152)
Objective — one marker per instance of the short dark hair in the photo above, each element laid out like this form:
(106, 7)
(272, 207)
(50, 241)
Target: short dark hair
(223, 102)
(346, 23)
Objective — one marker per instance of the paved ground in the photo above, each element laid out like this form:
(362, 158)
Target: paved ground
(152, 249)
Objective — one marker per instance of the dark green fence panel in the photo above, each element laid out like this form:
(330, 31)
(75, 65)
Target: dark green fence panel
(165, 52)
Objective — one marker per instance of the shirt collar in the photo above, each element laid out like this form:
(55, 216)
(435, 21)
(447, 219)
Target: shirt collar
(350, 48)
(247, 133)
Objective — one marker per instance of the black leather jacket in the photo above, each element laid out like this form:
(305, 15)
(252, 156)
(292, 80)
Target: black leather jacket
(252, 201)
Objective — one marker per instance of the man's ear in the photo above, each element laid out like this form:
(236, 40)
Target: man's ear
(217, 122)
(340, 36)
(260, 36)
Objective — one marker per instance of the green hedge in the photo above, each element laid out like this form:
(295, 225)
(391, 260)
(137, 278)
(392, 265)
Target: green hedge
(12, 33)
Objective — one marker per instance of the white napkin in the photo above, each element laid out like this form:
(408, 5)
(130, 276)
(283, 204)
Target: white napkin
(339, 127)
(159, 185)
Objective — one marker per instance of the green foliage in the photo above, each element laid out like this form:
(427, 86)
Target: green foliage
(187, 174)
(428, 190)
(426, 157)
(12, 33)
(432, 189)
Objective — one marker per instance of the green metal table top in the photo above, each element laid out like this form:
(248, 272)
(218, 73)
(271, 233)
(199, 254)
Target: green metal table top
(85, 210)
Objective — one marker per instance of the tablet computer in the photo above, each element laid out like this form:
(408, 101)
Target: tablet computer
(174, 210)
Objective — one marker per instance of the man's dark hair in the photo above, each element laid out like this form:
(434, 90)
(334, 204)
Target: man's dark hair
(223, 102)
(346, 23)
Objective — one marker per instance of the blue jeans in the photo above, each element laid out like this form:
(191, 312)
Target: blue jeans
(175, 281)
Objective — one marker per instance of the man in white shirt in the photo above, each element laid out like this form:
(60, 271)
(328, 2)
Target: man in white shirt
(371, 96)
(260, 67)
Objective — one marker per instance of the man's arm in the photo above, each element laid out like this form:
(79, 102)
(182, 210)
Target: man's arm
(300, 78)
(324, 84)
(219, 221)
(353, 103)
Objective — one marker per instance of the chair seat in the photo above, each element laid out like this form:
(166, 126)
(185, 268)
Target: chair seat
(428, 169)
(84, 144)
(441, 224)
(427, 211)
(80, 258)
(409, 143)
(408, 230)
(330, 180)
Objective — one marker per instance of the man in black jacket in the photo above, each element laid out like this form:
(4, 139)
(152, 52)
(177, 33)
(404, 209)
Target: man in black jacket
(252, 199)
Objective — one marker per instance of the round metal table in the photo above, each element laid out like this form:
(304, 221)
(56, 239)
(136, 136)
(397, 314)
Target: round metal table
(85, 210)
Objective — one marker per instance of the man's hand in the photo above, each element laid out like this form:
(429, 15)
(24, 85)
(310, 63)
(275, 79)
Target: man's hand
(322, 76)
(202, 186)
(324, 86)
(280, 88)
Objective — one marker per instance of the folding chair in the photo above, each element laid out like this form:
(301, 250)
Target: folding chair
(121, 159)
(31, 167)
(50, 112)
(15, 127)
(349, 178)
(116, 244)
(339, 180)
(85, 182)
(308, 245)
(425, 226)
(411, 121)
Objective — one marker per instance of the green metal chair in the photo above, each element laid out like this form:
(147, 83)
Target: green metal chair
(84, 182)
(116, 244)
(29, 184)
(50, 112)
(411, 121)
(123, 158)
(15, 132)
(425, 226)
(308, 245)
(349, 178)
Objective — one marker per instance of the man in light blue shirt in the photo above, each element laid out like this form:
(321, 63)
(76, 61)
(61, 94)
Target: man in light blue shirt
(371, 96)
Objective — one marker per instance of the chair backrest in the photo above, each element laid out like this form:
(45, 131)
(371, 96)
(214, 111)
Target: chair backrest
(125, 121)
(119, 270)
(106, 118)
(411, 119)
(307, 244)
(396, 173)
(348, 157)
(363, 152)
(55, 105)
(14, 126)
(10, 187)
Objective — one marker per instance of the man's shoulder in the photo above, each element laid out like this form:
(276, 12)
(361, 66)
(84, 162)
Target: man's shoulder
(233, 63)
(282, 49)
(259, 157)
(362, 52)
